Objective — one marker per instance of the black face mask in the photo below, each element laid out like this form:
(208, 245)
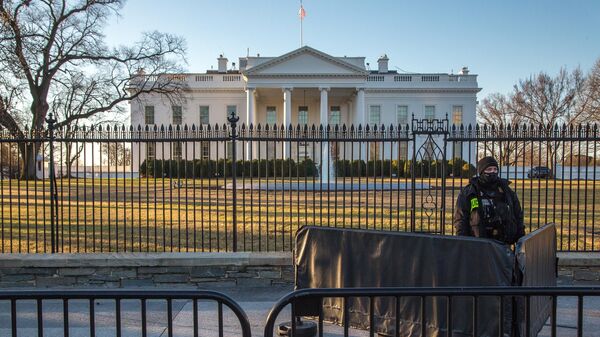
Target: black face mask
(489, 178)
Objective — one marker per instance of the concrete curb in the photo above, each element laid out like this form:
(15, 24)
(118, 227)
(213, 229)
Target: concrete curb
(577, 259)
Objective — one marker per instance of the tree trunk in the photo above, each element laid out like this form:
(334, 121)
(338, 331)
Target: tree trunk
(28, 154)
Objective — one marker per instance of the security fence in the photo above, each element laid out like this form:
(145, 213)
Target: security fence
(121, 313)
(458, 311)
(249, 188)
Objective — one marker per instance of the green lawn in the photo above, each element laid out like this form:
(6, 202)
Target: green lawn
(197, 215)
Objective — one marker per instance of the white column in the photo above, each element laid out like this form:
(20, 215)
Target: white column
(326, 162)
(250, 119)
(360, 106)
(287, 118)
(324, 120)
(361, 117)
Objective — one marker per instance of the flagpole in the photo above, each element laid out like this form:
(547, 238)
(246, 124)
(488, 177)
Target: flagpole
(301, 27)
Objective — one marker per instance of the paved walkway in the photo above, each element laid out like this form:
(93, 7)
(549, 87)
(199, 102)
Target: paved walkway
(257, 302)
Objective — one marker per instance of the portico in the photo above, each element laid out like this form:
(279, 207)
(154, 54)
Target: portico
(302, 78)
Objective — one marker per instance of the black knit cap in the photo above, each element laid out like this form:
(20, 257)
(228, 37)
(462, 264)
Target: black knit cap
(484, 163)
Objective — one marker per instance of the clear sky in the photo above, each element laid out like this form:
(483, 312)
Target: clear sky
(501, 41)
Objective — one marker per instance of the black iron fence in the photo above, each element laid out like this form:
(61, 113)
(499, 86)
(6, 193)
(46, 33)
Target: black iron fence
(111, 313)
(312, 303)
(231, 188)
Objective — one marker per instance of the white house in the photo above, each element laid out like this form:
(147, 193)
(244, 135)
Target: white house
(305, 86)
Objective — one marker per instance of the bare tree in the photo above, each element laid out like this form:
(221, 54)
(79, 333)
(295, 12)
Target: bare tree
(589, 98)
(42, 42)
(115, 154)
(544, 102)
(496, 111)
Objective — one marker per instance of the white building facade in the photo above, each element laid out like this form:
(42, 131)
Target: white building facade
(306, 87)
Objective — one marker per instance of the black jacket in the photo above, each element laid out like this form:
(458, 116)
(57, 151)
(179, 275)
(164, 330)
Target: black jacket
(467, 224)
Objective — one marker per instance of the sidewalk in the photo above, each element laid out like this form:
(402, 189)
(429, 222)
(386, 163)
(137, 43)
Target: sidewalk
(256, 302)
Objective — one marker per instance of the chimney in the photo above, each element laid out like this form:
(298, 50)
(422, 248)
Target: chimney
(222, 64)
(464, 71)
(383, 64)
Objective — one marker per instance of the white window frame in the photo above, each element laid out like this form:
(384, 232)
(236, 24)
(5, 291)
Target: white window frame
(271, 111)
(399, 119)
(403, 150)
(303, 115)
(150, 151)
(179, 110)
(231, 108)
(426, 115)
(146, 112)
(457, 110)
(335, 114)
(177, 151)
(200, 115)
(371, 111)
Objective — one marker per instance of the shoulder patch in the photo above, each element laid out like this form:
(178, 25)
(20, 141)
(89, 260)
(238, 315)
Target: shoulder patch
(474, 203)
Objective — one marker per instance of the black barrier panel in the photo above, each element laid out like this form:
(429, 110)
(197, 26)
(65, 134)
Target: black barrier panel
(536, 260)
(343, 258)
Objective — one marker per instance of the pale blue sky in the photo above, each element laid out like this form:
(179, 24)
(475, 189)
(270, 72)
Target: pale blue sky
(501, 41)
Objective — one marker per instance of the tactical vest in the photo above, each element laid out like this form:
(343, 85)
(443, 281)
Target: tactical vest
(492, 215)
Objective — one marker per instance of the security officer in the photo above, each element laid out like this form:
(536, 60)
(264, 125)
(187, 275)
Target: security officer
(488, 208)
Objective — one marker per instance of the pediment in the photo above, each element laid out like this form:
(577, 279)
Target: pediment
(306, 61)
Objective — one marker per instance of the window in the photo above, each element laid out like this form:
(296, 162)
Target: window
(458, 150)
(430, 112)
(229, 150)
(151, 151)
(271, 115)
(403, 150)
(204, 119)
(149, 114)
(205, 150)
(457, 114)
(177, 115)
(271, 120)
(303, 147)
(402, 114)
(231, 109)
(374, 150)
(375, 114)
(457, 119)
(303, 115)
(335, 115)
(177, 151)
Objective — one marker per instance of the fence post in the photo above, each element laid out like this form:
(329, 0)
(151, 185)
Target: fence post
(233, 119)
(53, 193)
(444, 168)
(413, 172)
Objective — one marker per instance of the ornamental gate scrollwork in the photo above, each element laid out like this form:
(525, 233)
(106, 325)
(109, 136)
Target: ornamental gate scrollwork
(428, 172)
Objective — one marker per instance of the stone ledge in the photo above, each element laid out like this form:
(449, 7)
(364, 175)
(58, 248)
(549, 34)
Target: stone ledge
(161, 270)
(144, 260)
(577, 259)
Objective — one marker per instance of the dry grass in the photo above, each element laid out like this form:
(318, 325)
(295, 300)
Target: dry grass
(196, 215)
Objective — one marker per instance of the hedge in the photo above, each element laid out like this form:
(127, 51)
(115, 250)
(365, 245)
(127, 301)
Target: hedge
(207, 168)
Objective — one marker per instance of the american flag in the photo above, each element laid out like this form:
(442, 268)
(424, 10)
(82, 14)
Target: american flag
(301, 12)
